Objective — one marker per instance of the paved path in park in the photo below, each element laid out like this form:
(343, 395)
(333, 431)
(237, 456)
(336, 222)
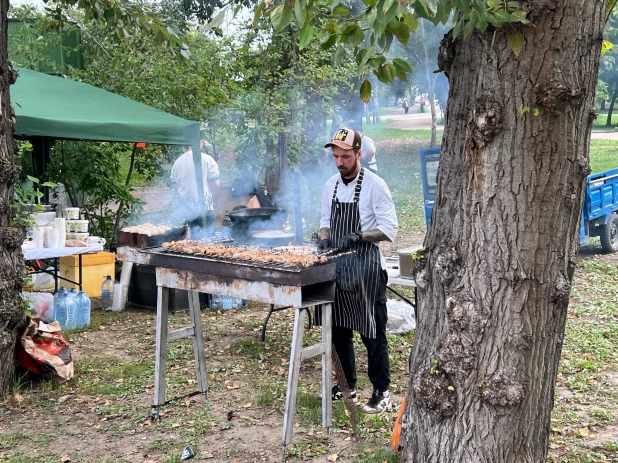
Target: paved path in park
(422, 121)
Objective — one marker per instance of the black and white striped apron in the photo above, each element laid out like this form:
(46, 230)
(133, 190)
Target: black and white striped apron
(358, 276)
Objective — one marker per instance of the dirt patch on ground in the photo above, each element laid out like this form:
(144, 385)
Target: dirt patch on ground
(103, 413)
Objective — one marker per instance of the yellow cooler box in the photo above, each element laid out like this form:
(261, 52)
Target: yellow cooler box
(95, 267)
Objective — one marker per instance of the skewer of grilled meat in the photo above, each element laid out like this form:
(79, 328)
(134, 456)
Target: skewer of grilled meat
(240, 253)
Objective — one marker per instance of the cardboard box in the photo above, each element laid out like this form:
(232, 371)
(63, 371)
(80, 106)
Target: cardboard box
(95, 267)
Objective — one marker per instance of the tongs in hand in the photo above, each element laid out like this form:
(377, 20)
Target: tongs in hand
(220, 240)
(328, 252)
(340, 254)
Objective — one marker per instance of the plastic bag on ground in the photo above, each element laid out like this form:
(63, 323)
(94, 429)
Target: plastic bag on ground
(42, 303)
(44, 281)
(401, 317)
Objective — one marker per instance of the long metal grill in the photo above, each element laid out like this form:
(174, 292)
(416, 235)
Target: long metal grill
(267, 272)
(271, 265)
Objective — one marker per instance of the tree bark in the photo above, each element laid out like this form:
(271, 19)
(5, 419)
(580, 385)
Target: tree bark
(608, 122)
(495, 275)
(12, 268)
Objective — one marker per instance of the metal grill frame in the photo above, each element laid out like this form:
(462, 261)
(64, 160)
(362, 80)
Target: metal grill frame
(234, 269)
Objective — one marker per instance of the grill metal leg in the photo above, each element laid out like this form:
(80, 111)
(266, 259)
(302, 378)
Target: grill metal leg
(293, 374)
(198, 342)
(327, 368)
(161, 345)
(270, 312)
(297, 355)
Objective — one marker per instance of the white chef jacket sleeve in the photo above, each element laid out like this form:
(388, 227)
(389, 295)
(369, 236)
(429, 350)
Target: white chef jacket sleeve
(174, 174)
(368, 148)
(384, 210)
(211, 166)
(327, 197)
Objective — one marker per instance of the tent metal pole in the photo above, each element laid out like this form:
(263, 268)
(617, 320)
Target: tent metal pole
(40, 160)
(199, 176)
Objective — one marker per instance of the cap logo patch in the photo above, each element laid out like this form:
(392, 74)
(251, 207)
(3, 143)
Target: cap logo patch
(341, 135)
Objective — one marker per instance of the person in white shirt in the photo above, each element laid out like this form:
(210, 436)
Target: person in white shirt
(368, 153)
(185, 185)
(358, 213)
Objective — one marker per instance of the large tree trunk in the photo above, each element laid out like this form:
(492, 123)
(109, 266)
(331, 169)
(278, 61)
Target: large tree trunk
(495, 278)
(11, 258)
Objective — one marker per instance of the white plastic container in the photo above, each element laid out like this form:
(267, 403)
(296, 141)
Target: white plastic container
(52, 238)
(117, 304)
(93, 240)
(80, 236)
(62, 235)
(59, 222)
(81, 226)
(38, 236)
(72, 213)
(45, 236)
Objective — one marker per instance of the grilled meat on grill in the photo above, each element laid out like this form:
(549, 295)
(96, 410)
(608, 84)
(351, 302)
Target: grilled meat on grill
(147, 229)
(297, 259)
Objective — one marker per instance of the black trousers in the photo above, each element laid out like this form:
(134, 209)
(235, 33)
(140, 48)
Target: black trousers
(377, 349)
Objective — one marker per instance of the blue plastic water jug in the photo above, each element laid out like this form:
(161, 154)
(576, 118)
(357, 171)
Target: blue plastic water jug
(83, 311)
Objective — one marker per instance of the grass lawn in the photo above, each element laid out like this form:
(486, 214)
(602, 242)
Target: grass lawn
(601, 120)
(101, 415)
(603, 155)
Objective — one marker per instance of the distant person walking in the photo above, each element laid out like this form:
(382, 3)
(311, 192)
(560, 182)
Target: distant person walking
(405, 105)
(422, 102)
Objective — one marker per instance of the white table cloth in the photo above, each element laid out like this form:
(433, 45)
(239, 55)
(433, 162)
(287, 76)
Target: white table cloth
(51, 253)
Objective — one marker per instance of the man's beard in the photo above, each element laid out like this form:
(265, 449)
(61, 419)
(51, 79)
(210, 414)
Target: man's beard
(346, 172)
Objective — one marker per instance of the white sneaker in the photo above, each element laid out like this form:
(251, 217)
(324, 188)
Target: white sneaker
(377, 403)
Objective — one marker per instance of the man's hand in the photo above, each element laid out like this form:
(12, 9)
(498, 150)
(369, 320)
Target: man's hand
(323, 245)
(348, 242)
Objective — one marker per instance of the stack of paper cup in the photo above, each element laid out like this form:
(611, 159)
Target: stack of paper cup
(60, 225)
(52, 238)
(117, 302)
(38, 236)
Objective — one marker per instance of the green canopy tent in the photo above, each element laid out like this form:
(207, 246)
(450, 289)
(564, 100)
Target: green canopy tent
(48, 107)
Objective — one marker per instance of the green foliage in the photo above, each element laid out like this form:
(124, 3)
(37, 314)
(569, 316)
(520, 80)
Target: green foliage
(92, 177)
(369, 31)
(126, 20)
(285, 90)
(33, 44)
(26, 193)
(26, 200)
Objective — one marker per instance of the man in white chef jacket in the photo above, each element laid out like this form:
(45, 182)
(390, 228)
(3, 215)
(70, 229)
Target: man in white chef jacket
(185, 185)
(357, 214)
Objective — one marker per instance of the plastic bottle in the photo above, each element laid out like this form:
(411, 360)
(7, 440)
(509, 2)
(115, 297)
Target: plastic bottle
(107, 294)
(70, 302)
(57, 297)
(216, 302)
(83, 312)
(73, 309)
(61, 310)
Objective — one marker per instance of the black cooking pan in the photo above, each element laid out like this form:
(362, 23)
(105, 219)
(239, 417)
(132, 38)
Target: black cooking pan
(250, 215)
